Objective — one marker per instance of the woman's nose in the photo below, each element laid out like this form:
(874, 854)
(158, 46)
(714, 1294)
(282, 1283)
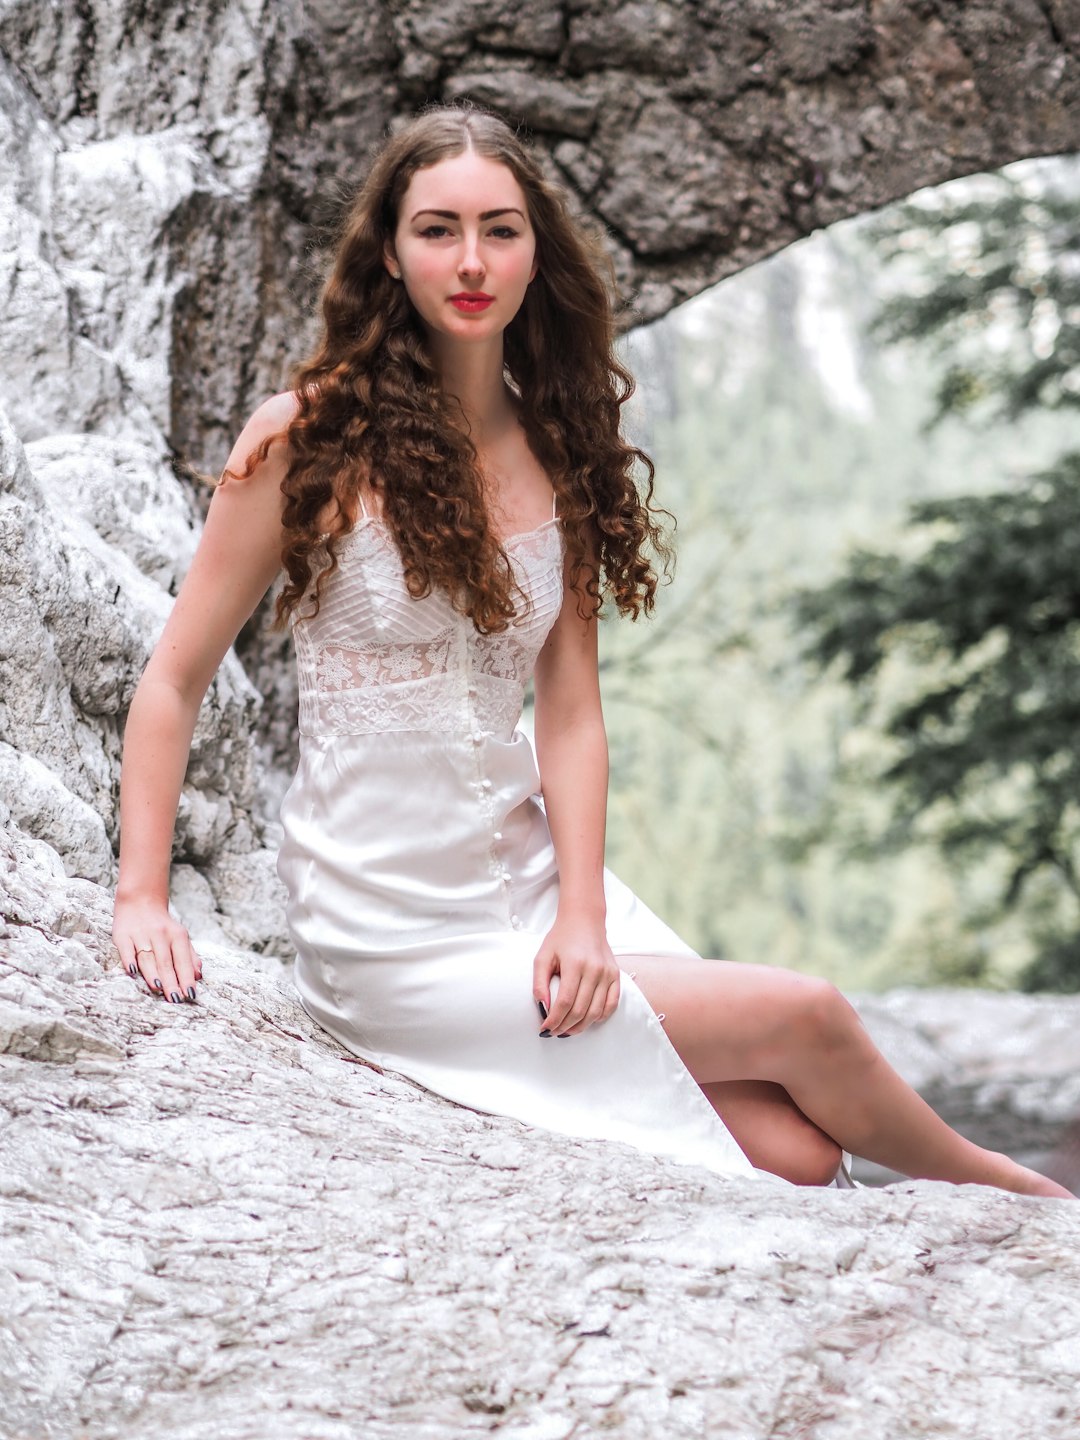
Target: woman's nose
(470, 262)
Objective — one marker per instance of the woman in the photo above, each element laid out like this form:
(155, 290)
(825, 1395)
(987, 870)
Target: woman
(448, 492)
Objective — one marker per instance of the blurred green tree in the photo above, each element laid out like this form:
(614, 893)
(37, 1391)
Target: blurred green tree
(984, 591)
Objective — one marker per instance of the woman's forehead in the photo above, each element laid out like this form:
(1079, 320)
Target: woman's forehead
(467, 184)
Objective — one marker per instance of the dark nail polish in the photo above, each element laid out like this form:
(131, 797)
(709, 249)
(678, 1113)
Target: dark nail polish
(191, 991)
(158, 985)
(176, 996)
(564, 1036)
(133, 969)
(542, 1008)
(545, 1034)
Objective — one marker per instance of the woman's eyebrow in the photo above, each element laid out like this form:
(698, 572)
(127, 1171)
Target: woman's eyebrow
(487, 214)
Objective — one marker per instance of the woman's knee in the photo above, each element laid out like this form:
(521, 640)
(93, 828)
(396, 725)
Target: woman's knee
(820, 1016)
(812, 1160)
(774, 1133)
(794, 1148)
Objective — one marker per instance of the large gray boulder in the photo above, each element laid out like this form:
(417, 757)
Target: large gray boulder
(215, 1221)
(173, 168)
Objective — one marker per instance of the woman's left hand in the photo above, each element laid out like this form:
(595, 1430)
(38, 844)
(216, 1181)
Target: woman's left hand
(588, 989)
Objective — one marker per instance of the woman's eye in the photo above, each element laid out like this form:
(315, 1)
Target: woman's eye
(434, 232)
(504, 232)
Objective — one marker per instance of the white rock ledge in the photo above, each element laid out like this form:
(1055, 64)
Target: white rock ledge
(217, 1224)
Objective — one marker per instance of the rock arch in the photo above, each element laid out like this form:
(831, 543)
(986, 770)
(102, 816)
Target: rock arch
(704, 136)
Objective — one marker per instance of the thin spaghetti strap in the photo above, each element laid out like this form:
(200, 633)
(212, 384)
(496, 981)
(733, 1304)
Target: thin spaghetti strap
(363, 507)
(554, 504)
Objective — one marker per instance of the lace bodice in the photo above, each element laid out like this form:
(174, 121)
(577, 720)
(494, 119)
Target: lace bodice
(375, 659)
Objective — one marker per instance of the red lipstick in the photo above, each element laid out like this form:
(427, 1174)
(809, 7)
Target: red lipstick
(471, 301)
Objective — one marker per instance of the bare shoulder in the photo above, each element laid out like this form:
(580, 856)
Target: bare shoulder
(278, 411)
(248, 502)
(269, 420)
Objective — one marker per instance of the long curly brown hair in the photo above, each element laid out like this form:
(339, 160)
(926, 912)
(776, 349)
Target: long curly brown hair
(370, 406)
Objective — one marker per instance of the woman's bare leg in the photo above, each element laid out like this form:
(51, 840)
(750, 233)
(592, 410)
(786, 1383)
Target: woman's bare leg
(772, 1131)
(737, 1022)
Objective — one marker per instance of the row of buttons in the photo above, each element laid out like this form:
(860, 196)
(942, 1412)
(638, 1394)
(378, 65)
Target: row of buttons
(499, 870)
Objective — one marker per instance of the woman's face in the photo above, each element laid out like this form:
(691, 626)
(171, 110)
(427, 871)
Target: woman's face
(464, 247)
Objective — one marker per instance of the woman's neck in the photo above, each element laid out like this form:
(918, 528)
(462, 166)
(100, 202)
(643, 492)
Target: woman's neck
(473, 375)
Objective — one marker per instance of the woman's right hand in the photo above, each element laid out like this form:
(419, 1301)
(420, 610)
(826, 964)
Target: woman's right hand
(154, 945)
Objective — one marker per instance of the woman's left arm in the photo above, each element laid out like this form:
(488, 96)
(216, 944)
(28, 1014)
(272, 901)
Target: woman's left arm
(572, 755)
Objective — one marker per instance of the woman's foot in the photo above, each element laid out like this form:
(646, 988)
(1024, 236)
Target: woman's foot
(1022, 1181)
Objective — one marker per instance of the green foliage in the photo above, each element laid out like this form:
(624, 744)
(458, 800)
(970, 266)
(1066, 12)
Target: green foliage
(984, 604)
(995, 289)
(773, 454)
(747, 803)
(1056, 967)
(991, 611)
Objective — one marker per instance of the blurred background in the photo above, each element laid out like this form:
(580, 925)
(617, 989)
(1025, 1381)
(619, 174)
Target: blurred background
(844, 741)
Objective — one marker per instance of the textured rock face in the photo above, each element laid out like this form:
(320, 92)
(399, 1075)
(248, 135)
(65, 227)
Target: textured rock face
(1001, 1069)
(214, 1220)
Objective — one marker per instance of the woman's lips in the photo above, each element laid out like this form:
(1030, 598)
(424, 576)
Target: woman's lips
(471, 303)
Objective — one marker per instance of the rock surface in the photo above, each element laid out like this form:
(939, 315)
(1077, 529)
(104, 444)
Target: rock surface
(1000, 1068)
(215, 1221)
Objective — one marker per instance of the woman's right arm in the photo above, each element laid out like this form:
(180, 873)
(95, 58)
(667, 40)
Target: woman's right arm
(237, 559)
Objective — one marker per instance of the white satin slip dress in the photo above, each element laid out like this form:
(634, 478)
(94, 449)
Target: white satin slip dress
(421, 875)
